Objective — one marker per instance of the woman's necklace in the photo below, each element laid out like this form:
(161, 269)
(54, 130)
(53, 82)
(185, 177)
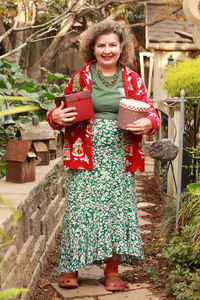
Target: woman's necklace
(108, 83)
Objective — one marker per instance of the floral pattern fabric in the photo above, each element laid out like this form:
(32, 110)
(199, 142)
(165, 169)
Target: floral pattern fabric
(101, 213)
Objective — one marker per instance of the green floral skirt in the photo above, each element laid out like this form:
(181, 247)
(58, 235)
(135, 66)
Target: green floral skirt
(101, 213)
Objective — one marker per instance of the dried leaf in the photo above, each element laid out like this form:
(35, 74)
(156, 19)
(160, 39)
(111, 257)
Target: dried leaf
(43, 283)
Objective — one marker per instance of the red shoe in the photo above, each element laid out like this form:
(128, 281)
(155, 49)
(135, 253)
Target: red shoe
(68, 280)
(114, 282)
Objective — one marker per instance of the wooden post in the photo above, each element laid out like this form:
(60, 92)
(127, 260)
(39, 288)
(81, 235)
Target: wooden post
(172, 129)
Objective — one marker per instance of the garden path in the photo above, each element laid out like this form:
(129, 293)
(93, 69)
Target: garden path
(91, 284)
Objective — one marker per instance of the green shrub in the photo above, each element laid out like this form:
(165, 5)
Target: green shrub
(184, 75)
(179, 251)
(182, 248)
(184, 285)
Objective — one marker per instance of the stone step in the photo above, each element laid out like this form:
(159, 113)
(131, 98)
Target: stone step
(142, 213)
(144, 205)
(143, 222)
(87, 288)
(90, 289)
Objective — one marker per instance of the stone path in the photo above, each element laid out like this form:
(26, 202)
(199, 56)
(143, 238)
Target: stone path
(91, 286)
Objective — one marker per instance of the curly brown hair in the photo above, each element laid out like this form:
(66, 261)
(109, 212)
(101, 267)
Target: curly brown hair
(89, 37)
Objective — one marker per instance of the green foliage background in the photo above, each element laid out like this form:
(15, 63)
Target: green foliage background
(184, 75)
(182, 247)
(25, 98)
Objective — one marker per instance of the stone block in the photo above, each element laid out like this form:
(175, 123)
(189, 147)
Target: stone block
(35, 197)
(43, 260)
(51, 241)
(142, 294)
(52, 190)
(25, 253)
(87, 288)
(142, 213)
(33, 283)
(143, 222)
(34, 260)
(60, 211)
(142, 205)
(35, 223)
(26, 256)
(32, 201)
(64, 189)
(6, 218)
(57, 200)
(20, 232)
(59, 187)
(44, 204)
(8, 263)
(48, 220)
(13, 279)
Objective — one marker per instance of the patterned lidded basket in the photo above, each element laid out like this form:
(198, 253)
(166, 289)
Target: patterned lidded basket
(131, 110)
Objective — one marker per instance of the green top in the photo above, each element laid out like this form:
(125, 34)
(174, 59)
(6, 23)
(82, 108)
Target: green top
(106, 99)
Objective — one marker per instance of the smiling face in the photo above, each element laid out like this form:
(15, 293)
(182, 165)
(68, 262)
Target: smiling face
(107, 50)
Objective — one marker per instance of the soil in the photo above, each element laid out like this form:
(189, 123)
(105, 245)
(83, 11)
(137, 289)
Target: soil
(152, 270)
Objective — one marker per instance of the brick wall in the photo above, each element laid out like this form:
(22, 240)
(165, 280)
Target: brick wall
(41, 204)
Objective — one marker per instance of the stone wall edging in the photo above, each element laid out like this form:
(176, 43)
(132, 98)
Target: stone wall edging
(41, 204)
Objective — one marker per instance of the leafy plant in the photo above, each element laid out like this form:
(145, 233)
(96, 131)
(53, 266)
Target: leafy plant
(183, 284)
(25, 98)
(182, 248)
(184, 75)
(10, 293)
(6, 133)
(166, 227)
(179, 251)
(194, 188)
(14, 83)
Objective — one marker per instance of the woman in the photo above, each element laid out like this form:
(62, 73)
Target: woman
(101, 222)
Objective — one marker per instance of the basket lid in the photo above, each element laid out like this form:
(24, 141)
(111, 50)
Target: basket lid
(135, 105)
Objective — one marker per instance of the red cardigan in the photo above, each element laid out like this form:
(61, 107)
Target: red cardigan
(78, 137)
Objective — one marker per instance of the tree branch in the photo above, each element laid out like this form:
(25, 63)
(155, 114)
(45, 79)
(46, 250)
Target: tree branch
(121, 2)
(15, 50)
(54, 21)
(52, 37)
(78, 6)
(157, 21)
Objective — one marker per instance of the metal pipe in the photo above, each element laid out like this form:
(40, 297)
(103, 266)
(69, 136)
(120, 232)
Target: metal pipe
(180, 156)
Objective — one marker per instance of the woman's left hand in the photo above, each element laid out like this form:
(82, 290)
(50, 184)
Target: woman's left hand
(141, 126)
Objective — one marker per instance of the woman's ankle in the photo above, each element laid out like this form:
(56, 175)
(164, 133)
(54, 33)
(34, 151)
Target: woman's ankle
(111, 265)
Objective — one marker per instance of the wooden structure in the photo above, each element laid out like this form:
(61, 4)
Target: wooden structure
(20, 161)
(41, 134)
(163, 46)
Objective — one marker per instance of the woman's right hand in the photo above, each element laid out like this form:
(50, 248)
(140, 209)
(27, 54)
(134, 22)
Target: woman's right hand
(64, 116)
